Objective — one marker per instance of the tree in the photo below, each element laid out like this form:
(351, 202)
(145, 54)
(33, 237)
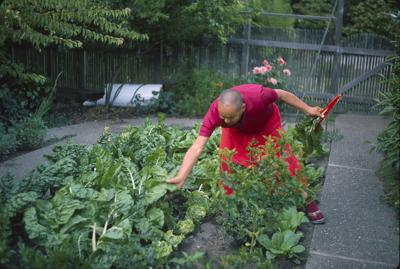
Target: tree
(313, 7)
(373, 16)
(182, 20)
(278, 6)
(66, 23)
(63, 23)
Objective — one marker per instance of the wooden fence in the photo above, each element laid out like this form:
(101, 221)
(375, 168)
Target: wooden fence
(87, 71)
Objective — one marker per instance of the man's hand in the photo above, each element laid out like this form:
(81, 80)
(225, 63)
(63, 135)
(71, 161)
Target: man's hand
(178, 181)
(315, 111)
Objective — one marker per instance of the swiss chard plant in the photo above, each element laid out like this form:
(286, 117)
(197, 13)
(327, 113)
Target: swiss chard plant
(108, 204)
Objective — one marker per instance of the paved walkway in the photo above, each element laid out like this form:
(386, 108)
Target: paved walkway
(361, 230)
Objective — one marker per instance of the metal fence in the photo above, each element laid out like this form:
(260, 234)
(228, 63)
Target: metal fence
(87, 71)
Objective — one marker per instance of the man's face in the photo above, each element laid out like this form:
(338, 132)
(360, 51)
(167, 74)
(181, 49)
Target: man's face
(230, 114)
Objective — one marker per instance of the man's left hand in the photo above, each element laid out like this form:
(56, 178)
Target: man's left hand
(315, 111)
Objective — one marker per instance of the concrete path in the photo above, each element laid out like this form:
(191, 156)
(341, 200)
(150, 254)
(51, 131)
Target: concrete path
(361, 231)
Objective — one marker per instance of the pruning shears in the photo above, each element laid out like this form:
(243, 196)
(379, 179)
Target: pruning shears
(329, 107)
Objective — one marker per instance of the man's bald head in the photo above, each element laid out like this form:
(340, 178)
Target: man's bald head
(231, 98)
(230, 107)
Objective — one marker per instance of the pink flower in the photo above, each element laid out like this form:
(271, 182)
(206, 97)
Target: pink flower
(287, 72)
(272, 81)
(257, 70)
(281, 61)
(268, 67)
(263, 70)
(265, 62)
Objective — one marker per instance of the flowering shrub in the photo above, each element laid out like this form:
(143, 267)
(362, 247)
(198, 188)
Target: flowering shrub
(274, 74)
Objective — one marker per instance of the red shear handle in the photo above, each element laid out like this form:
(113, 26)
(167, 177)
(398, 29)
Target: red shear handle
(329, 107)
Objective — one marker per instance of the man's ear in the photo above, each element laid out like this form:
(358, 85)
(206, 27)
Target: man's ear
(243, 107)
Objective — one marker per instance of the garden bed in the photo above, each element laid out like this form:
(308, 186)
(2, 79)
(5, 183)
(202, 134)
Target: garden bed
(75, 172)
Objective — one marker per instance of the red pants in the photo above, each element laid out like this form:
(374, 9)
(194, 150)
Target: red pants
(233, 139)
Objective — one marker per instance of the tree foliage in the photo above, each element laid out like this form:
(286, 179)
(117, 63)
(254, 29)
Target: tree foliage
(66, 23)
(313, 7)
(278, 6)
(373, 16)
(181, 20)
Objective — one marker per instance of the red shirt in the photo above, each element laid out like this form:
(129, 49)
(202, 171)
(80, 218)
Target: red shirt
(259, 110)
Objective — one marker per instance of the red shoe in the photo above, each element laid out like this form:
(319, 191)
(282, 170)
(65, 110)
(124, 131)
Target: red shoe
(314, 213)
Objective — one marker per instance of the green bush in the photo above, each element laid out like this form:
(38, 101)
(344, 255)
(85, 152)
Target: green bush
(388, 142)
(21, 91)
(195, 90)
(8, 143)
(30, 132)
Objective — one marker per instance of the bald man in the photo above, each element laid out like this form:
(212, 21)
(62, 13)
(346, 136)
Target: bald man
(246, 112)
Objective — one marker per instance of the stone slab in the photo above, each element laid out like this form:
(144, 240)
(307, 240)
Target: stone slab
(324, 261)
(359, 223)
(354, 150)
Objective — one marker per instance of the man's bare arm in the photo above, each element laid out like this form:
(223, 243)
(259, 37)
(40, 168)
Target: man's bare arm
(292, 100)
(190, 159)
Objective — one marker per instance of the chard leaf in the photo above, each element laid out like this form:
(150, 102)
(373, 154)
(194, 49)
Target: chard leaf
(277, 239)
(291, 239)
(156, 192)
(43, 205)
(32, 226)
(79, 191)
(264, 241)
(298, 249)
(126, 226)
(20, 201)
(114, 232)
(105, 195)
(72, 222)
(67, 210)
(156, 157)
(39, 233)
(123, 202)
(110, 174)
(156, 217)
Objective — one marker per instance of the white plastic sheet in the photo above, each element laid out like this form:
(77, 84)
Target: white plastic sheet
(126, 95)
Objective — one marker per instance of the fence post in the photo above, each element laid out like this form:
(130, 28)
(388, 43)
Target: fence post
(82, 61)
(338, 42)
(246, 49)
(161, 61)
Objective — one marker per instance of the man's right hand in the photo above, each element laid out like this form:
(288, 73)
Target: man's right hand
(177, 181)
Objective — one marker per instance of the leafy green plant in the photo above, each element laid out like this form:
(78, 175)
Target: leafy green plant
(8, 142)
(259, 191)
(289, 219)
(388, 141)
(311, 135)
(21, 92)
(195, 89)
(265, 197)
(284, 243)
(110, 200)
(245, 258)
(29, 132)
